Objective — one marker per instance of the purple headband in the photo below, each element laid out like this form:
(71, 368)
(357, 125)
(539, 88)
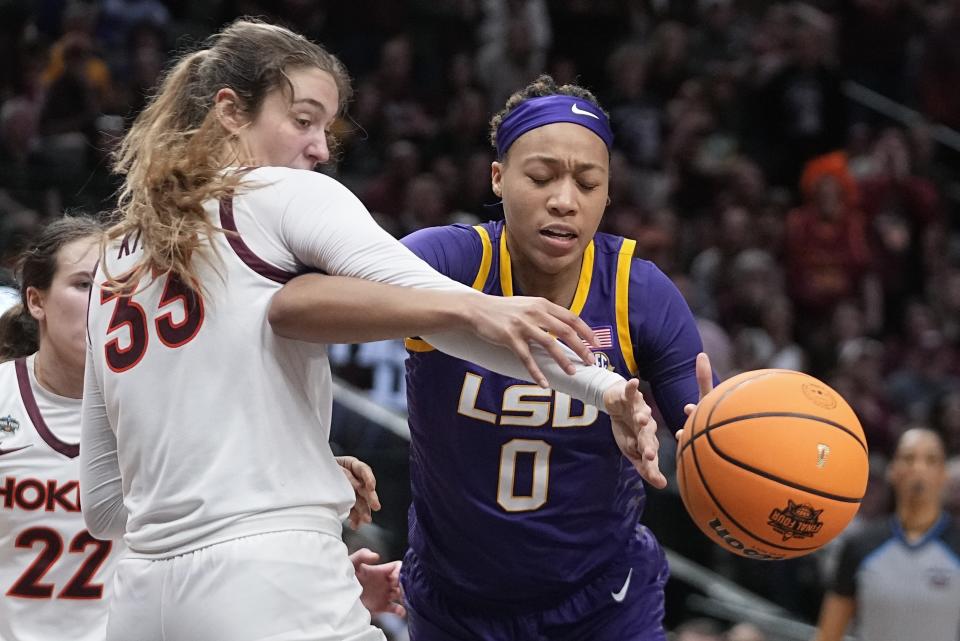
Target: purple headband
(546, 110)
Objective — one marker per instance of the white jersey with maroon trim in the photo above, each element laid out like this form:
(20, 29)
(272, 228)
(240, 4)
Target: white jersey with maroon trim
(199, 423)
(54, 576)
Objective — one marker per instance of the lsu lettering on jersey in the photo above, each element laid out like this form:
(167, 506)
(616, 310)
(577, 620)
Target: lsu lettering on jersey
(520, 494)
(54, 577)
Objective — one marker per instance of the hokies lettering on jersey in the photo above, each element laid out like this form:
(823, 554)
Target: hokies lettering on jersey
(34, 494)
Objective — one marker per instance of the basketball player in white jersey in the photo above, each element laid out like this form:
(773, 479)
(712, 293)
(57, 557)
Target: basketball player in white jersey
(54, 576)
(204, 439)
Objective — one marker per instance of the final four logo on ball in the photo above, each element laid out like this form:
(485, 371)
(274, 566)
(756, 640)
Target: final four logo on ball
(797, 520)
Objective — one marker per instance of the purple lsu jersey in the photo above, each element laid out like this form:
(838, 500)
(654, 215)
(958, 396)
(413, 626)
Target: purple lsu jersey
(520, 494)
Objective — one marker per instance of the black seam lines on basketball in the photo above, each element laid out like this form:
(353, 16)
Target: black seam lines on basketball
(782, 481)
(809, 417)
(706, 485)
(693, 424)
(745, 417)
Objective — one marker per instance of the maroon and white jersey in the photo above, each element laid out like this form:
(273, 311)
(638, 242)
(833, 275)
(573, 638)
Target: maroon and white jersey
(200, 424)
(54, 576)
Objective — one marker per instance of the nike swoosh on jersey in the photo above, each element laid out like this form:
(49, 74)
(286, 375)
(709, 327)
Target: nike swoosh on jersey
(15, 449)
(622, 594)
(581, 112)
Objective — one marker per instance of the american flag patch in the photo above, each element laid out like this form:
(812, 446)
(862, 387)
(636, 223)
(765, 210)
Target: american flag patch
(604, 336)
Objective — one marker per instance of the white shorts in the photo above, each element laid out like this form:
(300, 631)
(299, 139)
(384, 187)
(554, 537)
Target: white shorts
(293, 585)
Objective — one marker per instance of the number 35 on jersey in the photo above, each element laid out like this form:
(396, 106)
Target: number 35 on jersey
(176, 321)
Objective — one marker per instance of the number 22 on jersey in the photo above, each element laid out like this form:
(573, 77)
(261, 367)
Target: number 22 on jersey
(130, 315)
(31, 585)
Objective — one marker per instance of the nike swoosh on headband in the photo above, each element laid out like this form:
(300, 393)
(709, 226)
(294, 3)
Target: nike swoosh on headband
(622, 594)
(581, 112)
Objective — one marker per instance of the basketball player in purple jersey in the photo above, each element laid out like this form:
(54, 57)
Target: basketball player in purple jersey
(525, 516)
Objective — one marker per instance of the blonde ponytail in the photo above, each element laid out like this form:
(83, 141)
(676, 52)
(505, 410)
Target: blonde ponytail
(173, 159)
(170, 171)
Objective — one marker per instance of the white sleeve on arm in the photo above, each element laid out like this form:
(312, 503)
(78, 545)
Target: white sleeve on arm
(327, 227)
(101, 493)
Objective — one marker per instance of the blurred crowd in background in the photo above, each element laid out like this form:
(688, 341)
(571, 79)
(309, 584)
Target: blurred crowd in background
(792, 166)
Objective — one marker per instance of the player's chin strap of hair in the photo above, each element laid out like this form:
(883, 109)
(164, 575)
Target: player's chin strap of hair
(545, 110)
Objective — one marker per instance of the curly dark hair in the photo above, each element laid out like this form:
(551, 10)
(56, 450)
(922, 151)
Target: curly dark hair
(545, 85)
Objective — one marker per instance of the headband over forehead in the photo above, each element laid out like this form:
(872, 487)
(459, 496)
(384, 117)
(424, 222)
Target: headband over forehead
(546, 110)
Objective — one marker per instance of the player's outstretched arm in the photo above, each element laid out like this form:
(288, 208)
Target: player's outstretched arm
(331, 309)
(335, 309)
(325, 227)
(380, 584)
(321, 225)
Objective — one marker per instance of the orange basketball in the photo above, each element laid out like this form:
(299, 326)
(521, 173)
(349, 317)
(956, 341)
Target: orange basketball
(772, 464)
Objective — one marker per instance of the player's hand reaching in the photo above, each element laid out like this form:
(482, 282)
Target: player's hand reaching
(517, 321)
(635, 430)
(704, 382)
(364, 485)
(380, 583)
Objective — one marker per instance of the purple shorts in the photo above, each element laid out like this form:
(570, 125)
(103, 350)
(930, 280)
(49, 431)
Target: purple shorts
(624, 603)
